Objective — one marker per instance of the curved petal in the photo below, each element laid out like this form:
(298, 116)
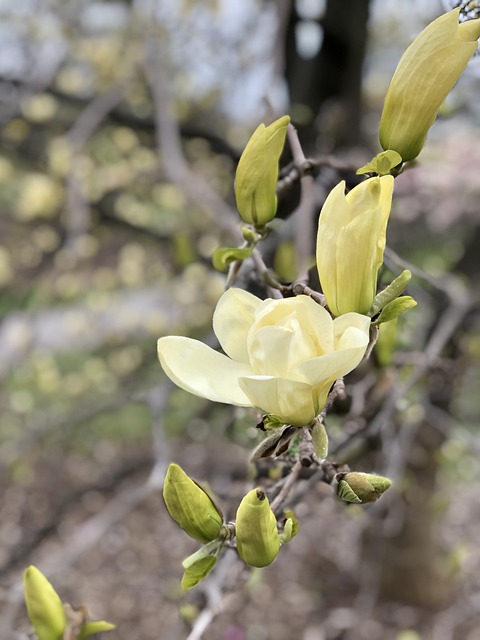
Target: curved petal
(351, 337)
(363, 241)
(347, 321)
(274, 351)
(232, 319)
(331, 366)
(314, 320)
(197, 368)
(270, 350)
(293, 401)
(318, 324)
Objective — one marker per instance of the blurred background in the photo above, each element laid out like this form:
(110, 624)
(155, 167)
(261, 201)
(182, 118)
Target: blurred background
(121, 126)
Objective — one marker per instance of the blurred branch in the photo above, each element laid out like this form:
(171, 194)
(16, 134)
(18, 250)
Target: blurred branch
(217, 592)
(77, 215)
(304, 213)
(445, 328)
(87, 535)
(170, 151)
(87, 326)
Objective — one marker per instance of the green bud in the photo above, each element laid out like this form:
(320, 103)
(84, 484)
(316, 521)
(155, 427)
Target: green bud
(382, 164)
(290, 528)
(361, 487)
(257, 173)
(258, 541)
(250, 235)
(289, 515)
(320, 440)
(390, 293)
(190, 506)
(395, 308)
(44, 607)
(224, 256)
(287, 533)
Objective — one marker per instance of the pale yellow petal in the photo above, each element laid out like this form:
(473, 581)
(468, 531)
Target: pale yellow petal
(347, 321)
(293, 401)
(197, 368)
(334, 215)
(331, 366)
(232, 320)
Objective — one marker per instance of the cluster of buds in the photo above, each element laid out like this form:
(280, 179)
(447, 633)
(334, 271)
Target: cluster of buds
(255, 529)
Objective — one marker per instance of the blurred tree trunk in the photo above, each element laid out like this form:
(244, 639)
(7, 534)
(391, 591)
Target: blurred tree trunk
(328, 86)
(414, 566)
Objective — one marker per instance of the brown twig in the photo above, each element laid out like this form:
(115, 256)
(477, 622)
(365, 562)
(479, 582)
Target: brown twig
(304, 214)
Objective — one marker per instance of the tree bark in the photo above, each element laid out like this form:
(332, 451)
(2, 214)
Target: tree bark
(329, 84)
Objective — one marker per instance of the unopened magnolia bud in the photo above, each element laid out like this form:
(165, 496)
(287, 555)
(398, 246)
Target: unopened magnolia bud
(424, 77)
(350, 243)
(190, 506)
(44, 607)
(258, 541)
(361, 487)
(257, 173)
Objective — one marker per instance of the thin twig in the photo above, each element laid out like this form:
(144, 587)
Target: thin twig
(77, 215)
(446, 327)
(304, 214)
(288, 485)
(273, 287)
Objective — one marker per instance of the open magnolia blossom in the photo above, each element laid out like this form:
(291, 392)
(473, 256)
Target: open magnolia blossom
(282, 356)
(351, 241)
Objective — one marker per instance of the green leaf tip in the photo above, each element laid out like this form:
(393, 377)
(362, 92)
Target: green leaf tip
(383, 164)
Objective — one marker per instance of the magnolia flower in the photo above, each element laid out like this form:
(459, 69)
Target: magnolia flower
(424, 77)
(350, 243)
(282, 356)
(257, 173)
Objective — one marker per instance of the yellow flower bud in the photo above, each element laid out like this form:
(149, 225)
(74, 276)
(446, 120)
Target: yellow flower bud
(258, 541)
(190, 506)
(424, 77)
(257, 173)
(44, 607)
(350, 243)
